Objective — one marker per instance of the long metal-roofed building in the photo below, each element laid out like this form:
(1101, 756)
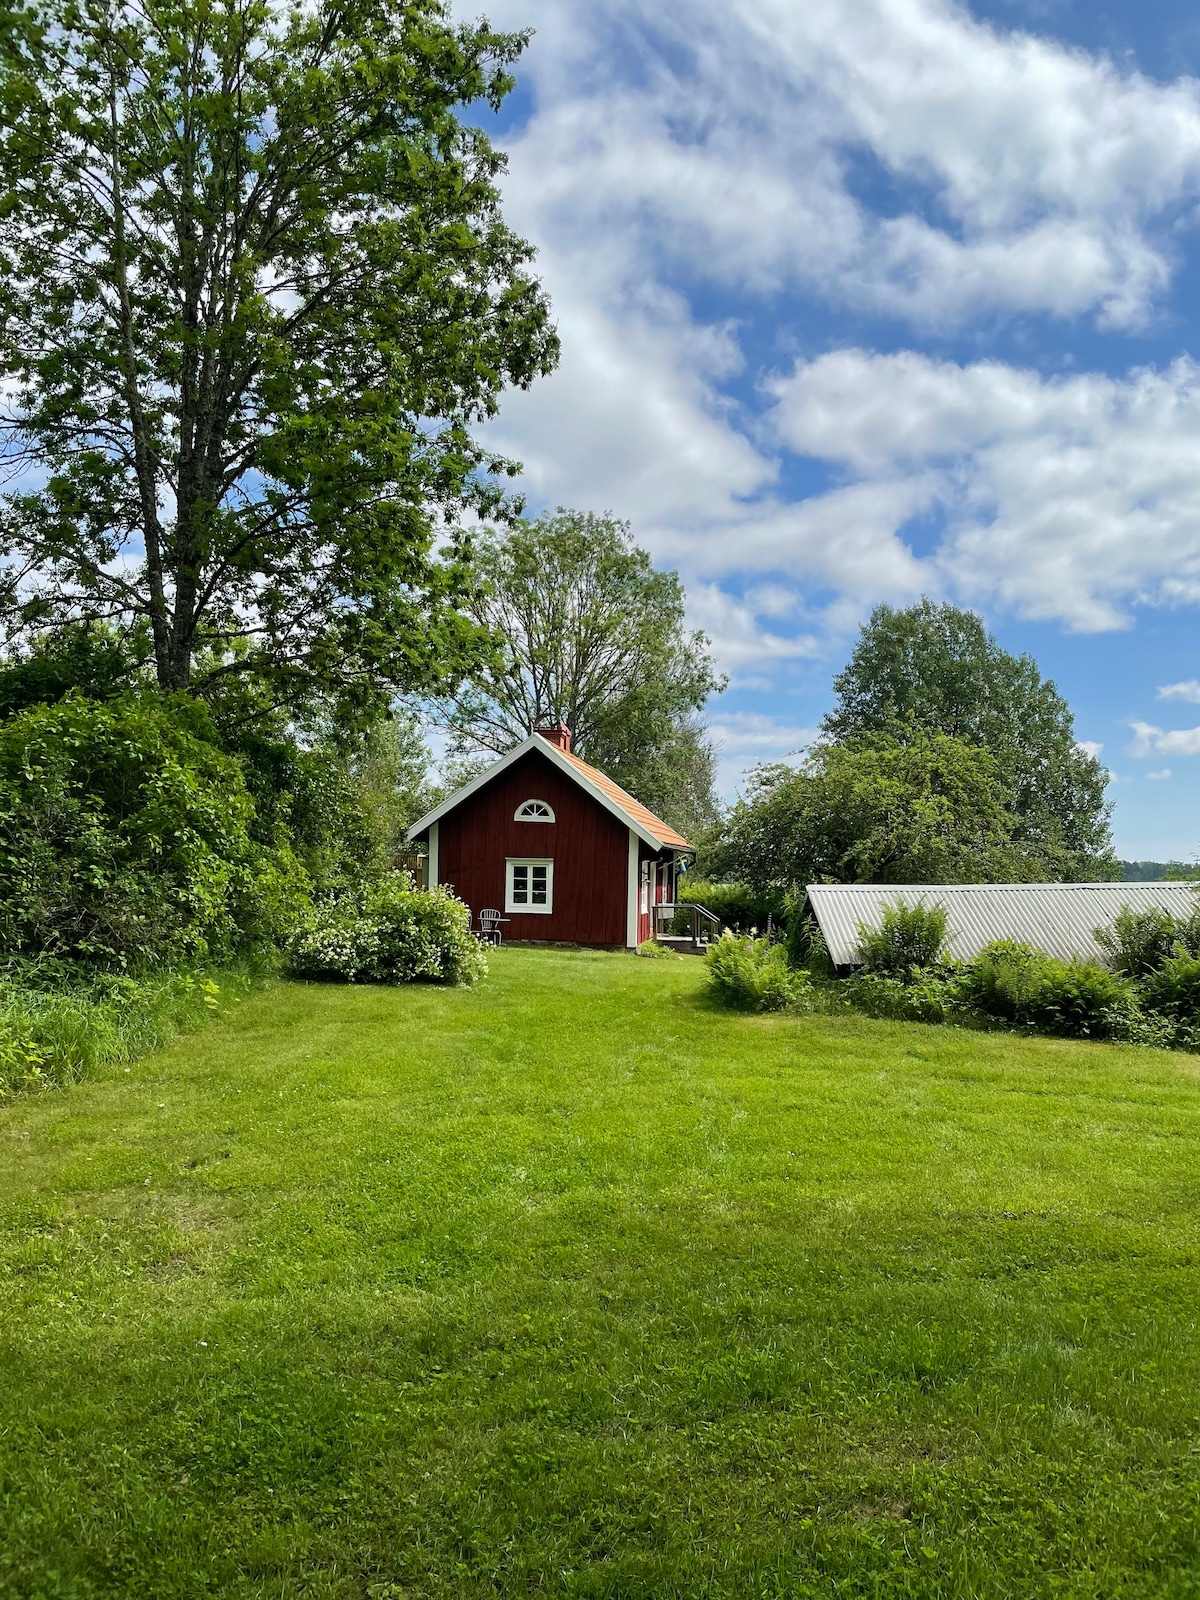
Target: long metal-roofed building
(1059, 918)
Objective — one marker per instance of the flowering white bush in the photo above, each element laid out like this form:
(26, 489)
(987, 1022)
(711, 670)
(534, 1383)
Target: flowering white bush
(390, 932)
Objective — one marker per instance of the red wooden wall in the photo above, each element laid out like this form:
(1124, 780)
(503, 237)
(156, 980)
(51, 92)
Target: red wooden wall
(589, 847)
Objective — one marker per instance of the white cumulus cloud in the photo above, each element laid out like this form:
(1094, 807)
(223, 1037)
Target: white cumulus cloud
(1061, 498)
(745, 739)
(894, 154)
(688, 171)
(1149, 740)
(1189, 691)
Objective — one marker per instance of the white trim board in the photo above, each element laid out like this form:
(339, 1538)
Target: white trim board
(536, 742)
(431, 859)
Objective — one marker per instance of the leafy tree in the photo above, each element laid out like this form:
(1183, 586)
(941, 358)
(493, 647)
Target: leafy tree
(877, 810)
(592, 635)
(95, 660)
(126, 838)
(255, 289)
(668, 763)
(936, 668)
(343, 795)
(390, 778)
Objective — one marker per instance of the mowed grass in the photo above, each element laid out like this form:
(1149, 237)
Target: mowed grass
(577, 1285)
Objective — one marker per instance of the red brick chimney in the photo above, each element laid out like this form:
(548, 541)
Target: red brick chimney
(559, 735)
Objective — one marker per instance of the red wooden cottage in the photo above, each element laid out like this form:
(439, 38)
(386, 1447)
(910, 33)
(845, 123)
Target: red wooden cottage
(559, 849)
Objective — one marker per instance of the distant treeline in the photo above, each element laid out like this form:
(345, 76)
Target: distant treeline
(1152, 871)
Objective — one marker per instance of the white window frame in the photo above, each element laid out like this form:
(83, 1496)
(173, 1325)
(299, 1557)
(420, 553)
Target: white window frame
(518, 814)
(524, 910)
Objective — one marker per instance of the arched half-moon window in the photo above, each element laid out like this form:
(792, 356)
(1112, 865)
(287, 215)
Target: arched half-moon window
(533, 811)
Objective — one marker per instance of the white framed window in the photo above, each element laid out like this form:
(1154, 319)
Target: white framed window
(529, 886)
(534, 811)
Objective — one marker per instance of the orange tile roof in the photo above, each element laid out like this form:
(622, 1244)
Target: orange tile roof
(634, 808)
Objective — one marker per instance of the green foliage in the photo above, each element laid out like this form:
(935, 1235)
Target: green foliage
(1016, 986)
(1157, 871)
(248, 360)
(91, 659)
(805, 943)
(1020, 985)
(1079, 1000)
(389, 932)
(755, 974)
(1138, 941)
(1173, 990)
(878, 810)
(653, 950)
(344, 794)
(908, 938)
(124, 838)
(389, 771)
(1003, 979)
(590, 634)
(924, 995)
(935, 669)
(57, 1032)
(738, 906)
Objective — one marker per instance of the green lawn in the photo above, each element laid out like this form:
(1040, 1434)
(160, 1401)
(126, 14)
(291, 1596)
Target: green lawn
(574, 1285)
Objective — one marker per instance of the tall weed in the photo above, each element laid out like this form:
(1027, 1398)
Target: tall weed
(908, 940)
(55, 1031)
(1138, 942)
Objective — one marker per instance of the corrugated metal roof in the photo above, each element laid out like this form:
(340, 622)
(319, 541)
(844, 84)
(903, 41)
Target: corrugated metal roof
(1058, 918)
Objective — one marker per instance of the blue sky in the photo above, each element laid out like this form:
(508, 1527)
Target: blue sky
(867, 299)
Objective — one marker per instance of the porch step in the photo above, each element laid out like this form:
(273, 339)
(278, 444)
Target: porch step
(681, 944)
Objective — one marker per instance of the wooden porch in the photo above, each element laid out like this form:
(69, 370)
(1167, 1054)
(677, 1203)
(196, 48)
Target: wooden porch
(705, 928)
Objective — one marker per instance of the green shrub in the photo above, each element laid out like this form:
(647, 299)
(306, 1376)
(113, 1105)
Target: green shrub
(755, 974)
(738, 907)
(1021, 987)
(1145, 1027)
(1173, 991)
(1079, 1000)
(1138, 941)
(1003, 979)
(1018, 984)
(806, 946)
(926, 995)
(1187, 934)
(389, 932)
(126, 839)
(653, 950)
(909, 939)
